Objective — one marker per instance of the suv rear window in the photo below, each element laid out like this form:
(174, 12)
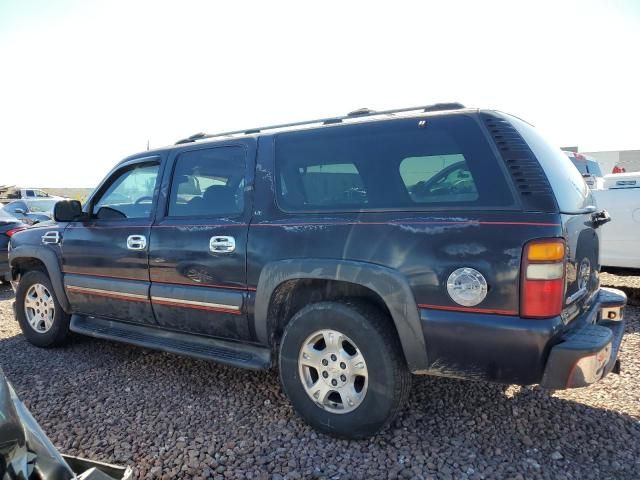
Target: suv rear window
(571, 192)
(399, 164)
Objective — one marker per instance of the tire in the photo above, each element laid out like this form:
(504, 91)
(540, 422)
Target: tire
(52, 327)
(345, 413)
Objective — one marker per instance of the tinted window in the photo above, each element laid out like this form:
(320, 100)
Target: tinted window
(397, 164)
(438, 178)
(569, 188)
(208, 182)
(129, 195)
(330, 184)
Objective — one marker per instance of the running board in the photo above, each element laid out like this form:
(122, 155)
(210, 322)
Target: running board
(230, 353)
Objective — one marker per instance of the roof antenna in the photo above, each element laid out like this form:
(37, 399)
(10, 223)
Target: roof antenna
(147, 144)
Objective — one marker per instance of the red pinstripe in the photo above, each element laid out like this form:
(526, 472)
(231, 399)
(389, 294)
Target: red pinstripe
(468, 309)
(301, 224)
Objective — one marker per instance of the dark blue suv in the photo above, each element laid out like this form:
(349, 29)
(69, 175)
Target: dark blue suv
(351, 252)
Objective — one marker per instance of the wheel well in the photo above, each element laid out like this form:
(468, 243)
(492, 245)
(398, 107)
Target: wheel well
(292, 295)
(22, 265)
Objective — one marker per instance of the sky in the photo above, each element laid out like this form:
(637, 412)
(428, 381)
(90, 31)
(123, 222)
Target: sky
(85, 83)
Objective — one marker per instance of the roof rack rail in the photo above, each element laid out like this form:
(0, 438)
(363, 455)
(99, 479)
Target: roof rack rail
(437, 107)
(362, 112)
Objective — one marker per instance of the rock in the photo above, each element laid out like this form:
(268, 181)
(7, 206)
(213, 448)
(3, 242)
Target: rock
(556, 455)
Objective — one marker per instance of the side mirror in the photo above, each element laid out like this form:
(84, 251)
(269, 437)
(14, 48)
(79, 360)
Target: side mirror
(67, 211)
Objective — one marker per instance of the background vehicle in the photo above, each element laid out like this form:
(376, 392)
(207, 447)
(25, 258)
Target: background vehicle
(9, 193)
(588, 167)
(31, 211)
(349, 251)
(8, 226)
(619, 239)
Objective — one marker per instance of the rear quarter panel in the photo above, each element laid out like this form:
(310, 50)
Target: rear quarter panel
(425, 247)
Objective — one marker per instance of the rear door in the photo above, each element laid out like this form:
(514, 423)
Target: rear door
(198, 242)
(105, 258)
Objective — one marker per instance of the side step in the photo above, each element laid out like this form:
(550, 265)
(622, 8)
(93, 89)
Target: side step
(230, 353)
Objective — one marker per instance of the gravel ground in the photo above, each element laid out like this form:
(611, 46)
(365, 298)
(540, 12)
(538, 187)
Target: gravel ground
(175, 417)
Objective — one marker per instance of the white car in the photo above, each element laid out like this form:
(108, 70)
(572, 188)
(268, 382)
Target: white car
(620, 238)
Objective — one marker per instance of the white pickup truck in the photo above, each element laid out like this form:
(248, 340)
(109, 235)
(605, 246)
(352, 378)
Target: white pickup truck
(11, 193)
(618, 194)
(620, 238)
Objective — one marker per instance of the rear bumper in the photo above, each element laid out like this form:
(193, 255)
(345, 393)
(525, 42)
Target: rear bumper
(510, 349)
(588, 352)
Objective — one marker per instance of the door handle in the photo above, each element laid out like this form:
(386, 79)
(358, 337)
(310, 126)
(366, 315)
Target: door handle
(222, 244)
(136, 242)
(51, 237)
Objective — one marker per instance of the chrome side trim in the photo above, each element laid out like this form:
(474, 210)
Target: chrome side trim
(98, 291)
(194, 303)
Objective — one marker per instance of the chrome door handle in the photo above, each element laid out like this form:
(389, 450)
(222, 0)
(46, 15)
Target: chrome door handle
(136, 242)
(222, 244)
(51, 237)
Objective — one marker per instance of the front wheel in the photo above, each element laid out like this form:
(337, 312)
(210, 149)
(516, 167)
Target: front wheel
(342, 367)
(41, 318)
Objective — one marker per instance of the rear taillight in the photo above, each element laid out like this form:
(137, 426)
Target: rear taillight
(542, 285)
(10, 233)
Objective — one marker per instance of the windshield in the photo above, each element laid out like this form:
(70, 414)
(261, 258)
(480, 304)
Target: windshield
(587, 167)
(6, 216)
(41, 206)
(594, 168)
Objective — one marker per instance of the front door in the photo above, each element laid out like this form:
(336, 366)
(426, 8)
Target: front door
(105, 258)
(198, 243)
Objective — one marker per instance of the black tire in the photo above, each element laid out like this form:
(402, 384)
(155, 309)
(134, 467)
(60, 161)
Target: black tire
(389, 380)
(59, 330)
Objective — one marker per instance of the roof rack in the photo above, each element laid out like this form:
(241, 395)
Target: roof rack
(362, 112)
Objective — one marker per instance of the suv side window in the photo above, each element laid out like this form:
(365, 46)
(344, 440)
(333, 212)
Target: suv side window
(438, 178)
(129, 195)
(404, 164)
(208, 182)
(332, 183)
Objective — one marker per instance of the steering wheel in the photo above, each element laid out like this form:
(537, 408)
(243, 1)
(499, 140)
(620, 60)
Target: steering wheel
(144, 199)
(460, 186)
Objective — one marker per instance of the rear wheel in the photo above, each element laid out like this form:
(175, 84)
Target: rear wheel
(41, 318)
(342, 367)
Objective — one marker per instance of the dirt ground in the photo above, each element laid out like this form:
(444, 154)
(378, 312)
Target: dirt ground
(176, 417)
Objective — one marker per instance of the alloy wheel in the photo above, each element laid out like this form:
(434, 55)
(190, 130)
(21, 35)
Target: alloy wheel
(39, 308)
(333, 371)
